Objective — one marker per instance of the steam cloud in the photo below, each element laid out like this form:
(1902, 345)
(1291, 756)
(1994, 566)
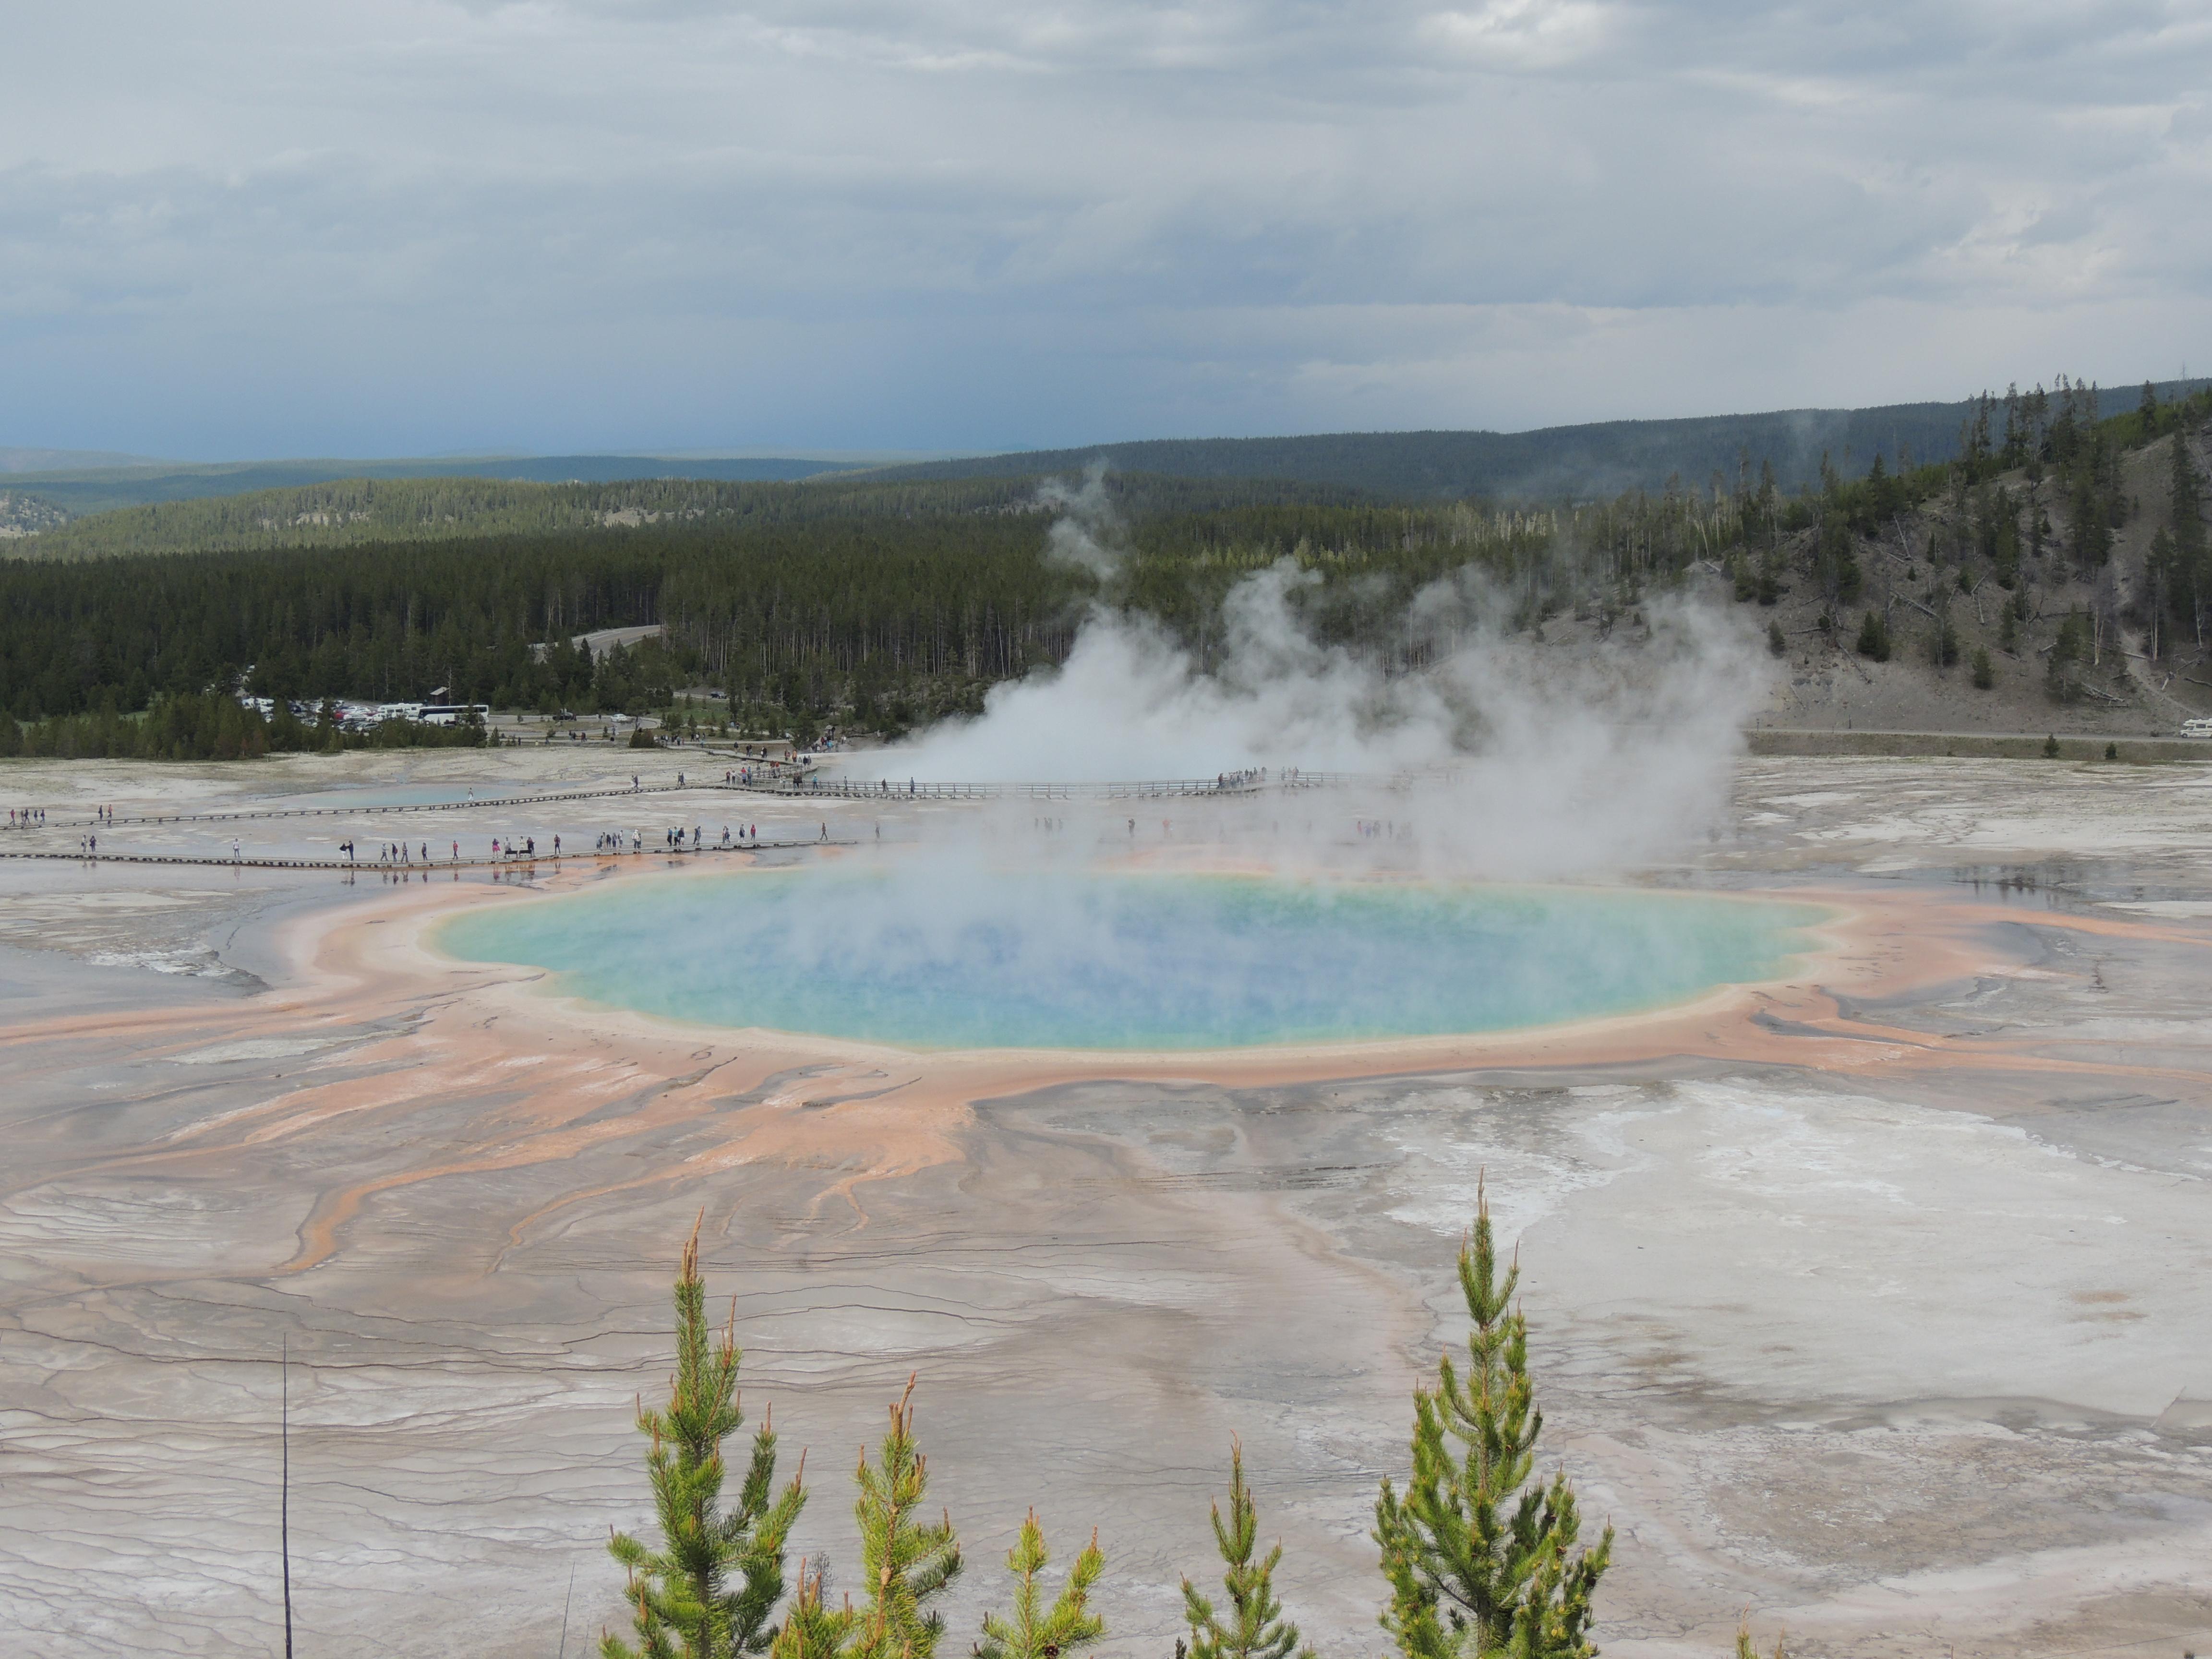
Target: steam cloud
(1504, 757)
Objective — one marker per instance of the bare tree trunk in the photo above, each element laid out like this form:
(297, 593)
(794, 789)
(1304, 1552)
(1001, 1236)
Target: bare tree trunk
(285, 1481)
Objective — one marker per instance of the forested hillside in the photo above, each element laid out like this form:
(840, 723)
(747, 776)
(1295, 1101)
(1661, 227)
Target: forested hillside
(1584, 463)
(24, 515)
(2057, 576)
(354, 511)
(893, 615)
(84, 488)
(2061, 545)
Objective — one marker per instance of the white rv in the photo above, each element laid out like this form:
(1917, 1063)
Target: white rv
(2196, 728)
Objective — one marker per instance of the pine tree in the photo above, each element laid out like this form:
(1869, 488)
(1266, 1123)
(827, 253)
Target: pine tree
(709, 1592)
(1069, 1627)
(1481, 1560)
(2189, 579)
(1874, 637)
(2061, 674)
(906, 1563)
(1943, 645)
(1258, 1631)
(1985, 673)
(2188, 514)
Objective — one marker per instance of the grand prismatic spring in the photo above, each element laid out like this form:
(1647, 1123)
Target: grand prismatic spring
(1854, 1153)
(1059, 960)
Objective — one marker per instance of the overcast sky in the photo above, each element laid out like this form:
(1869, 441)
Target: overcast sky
(263, 228)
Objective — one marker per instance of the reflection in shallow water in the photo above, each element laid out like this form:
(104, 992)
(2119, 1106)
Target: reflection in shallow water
(913, 957)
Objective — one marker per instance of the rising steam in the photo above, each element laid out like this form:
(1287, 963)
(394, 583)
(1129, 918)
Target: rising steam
(1505, 757)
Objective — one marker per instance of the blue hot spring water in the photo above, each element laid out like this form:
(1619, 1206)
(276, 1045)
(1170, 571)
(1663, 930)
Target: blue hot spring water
(922, 959)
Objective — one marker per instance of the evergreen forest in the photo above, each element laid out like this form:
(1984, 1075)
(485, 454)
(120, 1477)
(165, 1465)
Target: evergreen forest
(877, 605)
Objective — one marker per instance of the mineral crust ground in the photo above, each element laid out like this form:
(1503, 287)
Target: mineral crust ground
(1878, 1302)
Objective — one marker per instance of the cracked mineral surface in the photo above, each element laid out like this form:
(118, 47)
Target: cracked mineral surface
(1879, 1303)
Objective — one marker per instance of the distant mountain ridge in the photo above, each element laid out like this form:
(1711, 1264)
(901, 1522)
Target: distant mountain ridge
(1592, 460)
(57, 460)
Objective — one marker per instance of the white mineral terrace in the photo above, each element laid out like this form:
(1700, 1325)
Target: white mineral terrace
(1877, 1300)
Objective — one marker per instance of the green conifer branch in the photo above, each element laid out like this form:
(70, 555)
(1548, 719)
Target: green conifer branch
(711, 1590)
(1481, 1562)
(1256, 1628)
(906, 1563)
(1067, 1628)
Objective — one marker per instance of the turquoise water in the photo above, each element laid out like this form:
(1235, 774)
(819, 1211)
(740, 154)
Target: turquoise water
(924, 959)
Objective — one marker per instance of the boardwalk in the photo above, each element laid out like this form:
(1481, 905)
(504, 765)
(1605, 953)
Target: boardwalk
(813, 785)
(809, 785)
(526, 862)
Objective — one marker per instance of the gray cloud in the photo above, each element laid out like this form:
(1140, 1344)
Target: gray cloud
(256, 227)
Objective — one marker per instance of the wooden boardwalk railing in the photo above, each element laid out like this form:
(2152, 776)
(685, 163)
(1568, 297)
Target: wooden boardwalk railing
(816, 786)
